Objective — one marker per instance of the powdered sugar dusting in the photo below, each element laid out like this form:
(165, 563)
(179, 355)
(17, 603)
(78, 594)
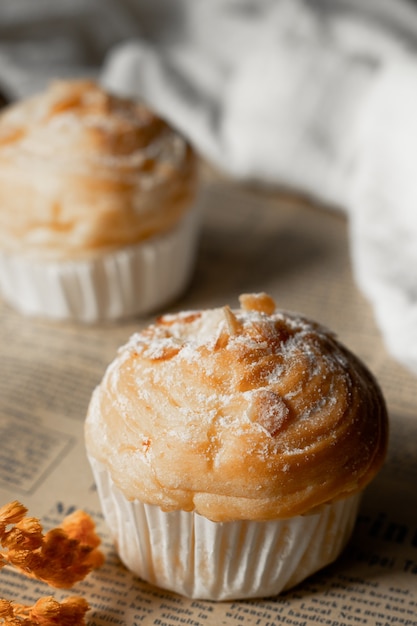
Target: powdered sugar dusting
(236, 414)
(203, 339)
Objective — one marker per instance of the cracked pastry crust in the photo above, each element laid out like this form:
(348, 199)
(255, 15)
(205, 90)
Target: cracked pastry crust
(250, 414)
(83, 171)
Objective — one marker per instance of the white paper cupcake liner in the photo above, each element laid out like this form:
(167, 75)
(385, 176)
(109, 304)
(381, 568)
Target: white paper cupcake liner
(131, 281)
(190, 555)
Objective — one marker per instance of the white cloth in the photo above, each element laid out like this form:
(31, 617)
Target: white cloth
(312, 96)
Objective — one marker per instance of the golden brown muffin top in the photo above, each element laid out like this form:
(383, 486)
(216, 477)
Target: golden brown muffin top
(82, 171)
(238, 414)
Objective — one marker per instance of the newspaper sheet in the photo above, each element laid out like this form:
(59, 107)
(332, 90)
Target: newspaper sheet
(252, 240)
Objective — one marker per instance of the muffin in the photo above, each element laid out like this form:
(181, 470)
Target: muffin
(97, 205)
(230, 449)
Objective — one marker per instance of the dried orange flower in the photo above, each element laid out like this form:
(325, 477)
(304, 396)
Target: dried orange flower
(61, 557)
(45, 612)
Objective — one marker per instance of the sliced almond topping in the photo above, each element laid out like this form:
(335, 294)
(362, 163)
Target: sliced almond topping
(233, 324)
(269, 410)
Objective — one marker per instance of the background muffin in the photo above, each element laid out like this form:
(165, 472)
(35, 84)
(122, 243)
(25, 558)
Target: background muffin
(96, 205)
(230, 449)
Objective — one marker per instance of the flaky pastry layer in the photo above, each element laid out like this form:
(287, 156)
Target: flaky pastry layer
(247, 414)
(82, 171)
